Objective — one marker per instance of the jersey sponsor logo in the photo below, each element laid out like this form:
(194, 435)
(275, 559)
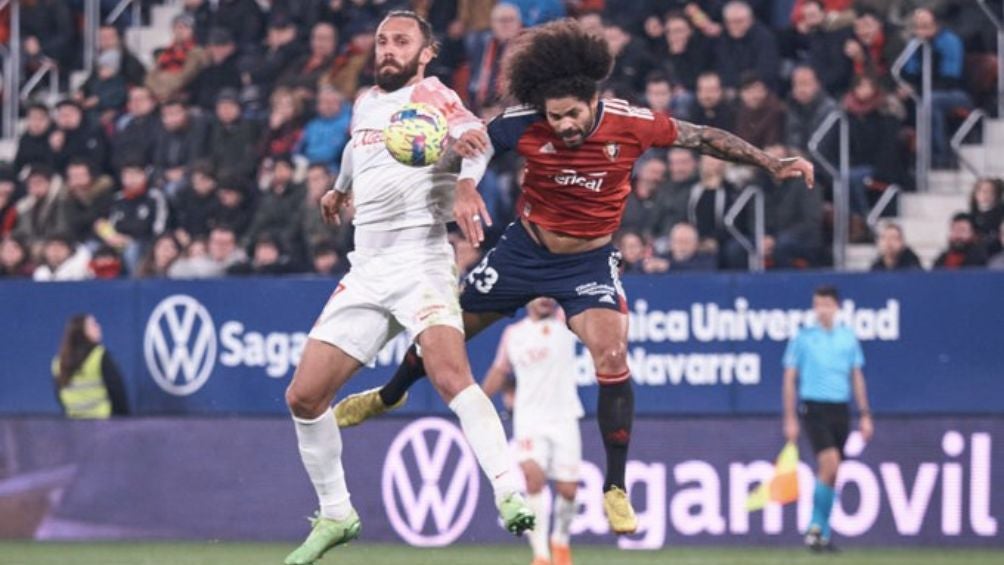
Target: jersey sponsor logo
(179, 345)
(589, 181)
(435, 507)
(367, 137)
(547, 149)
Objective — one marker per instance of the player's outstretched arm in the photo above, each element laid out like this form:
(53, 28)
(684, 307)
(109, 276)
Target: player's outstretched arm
(730, 147)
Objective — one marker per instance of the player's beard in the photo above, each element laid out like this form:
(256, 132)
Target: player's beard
(576, 136)
(391, 80)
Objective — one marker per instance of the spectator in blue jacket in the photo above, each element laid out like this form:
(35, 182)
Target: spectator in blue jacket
(536, 12)
(325, 136)
(946, 83)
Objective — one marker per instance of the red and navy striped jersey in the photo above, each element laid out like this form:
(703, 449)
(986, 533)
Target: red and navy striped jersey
(580, 191)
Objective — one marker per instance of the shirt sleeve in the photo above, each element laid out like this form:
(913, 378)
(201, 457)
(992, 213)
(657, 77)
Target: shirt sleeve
(458, 117)
(658, 132)
(504, 132)
(792, 353)
(475, 167)
(506, 129)
(344, 181)
(859, 354)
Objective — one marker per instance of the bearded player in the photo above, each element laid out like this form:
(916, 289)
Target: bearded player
(402, 277)
(540, 351)
(579, 153)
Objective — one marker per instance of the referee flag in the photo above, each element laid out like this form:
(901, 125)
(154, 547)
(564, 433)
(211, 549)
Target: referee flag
(783, 486)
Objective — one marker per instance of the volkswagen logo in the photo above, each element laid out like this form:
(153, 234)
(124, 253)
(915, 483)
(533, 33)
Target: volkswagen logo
(180, 345)
(430, 483)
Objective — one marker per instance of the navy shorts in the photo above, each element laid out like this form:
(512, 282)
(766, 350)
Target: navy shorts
(518, 269)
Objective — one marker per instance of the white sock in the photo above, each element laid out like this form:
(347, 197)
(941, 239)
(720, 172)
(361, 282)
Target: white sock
(321, 451)
(564, 512)
(484, 433)
(538, 535)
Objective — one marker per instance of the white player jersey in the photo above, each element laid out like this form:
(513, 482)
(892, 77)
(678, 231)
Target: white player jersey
(542, 356)
(387, 194)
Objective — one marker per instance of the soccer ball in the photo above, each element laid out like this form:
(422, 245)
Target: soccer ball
(416, 135)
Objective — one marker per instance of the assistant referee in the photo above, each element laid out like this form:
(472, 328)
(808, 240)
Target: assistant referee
(826, 360)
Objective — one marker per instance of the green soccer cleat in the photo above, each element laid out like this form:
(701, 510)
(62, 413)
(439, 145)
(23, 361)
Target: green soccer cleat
(516, 515)
(355, 409)
(324, 535)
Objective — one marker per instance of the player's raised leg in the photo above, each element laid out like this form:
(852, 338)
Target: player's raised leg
(450, 373)
(323, 369)
(604, 333)
(357, 408)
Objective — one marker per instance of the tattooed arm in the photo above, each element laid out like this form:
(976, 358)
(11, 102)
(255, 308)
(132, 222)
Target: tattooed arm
(729, 147)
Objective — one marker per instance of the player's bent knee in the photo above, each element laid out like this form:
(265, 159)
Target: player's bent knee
(611, 360)
(303, 405)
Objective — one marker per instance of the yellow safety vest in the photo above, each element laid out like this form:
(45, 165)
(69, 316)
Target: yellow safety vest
(86, 396)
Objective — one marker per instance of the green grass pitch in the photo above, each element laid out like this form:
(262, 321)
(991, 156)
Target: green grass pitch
(22, 553)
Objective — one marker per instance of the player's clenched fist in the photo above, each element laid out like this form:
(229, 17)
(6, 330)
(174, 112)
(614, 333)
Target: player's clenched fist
(331, 205)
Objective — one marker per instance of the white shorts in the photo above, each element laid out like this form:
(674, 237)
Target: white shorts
(409, 288)
(555, 445)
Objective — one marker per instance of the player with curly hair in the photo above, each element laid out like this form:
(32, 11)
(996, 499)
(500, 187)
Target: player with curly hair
(579, 151)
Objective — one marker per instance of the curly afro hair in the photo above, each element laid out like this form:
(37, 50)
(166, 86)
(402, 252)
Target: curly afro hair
(555, 60)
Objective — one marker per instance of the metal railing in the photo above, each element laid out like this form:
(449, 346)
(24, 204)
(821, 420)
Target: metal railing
(922, 102)
(875, 215)
(754, 249)
(960, 135)
(12, 71)
(49, 69)
(121, 7)
(92, 20)
(999, 24)
(841, 182)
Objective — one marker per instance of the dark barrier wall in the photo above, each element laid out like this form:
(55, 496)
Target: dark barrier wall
(931, 481)
(699, 344)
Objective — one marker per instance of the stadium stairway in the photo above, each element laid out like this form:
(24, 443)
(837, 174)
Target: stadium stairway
(143, 40)
(925, 217)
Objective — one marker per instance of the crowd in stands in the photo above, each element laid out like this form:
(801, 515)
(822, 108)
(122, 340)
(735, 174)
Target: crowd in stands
(213, 160)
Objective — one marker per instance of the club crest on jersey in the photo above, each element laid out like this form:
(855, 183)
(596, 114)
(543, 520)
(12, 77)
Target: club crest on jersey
(613, 150)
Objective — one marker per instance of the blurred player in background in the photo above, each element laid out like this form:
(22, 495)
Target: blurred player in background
(826, 360)
(402, 277)
(580, 151)
(540, 351)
